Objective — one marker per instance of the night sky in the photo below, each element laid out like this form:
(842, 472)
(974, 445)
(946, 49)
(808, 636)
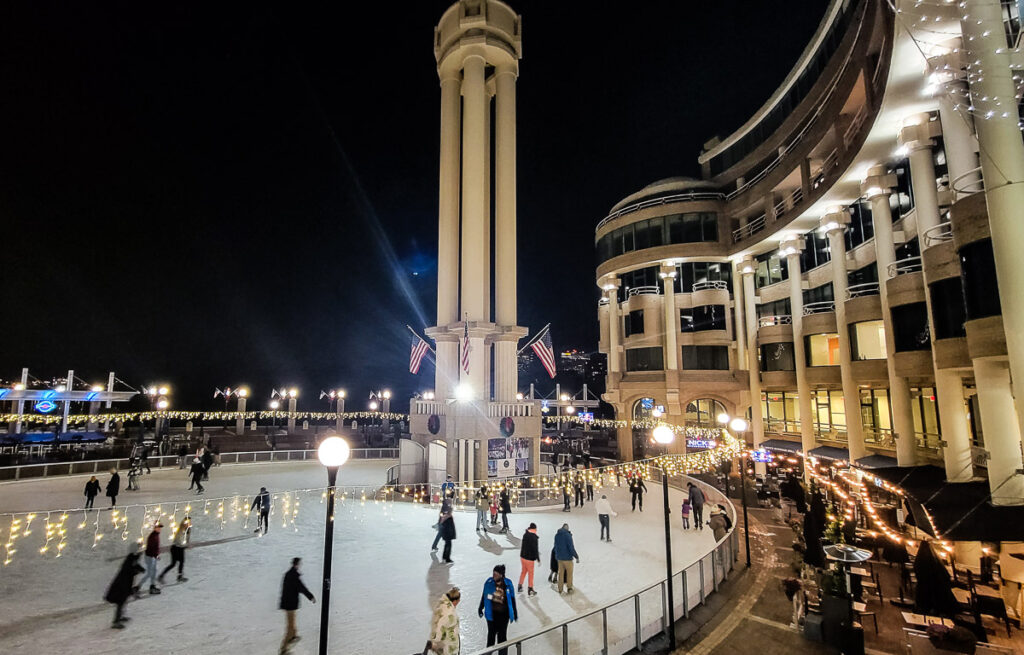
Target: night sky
(210, 194)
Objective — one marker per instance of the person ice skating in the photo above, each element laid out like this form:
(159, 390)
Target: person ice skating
(121, 587)
(447, 532)
(144, 459)
(446, 506)
(506, 509)
(152, 555)
(498, 606)
(179, 542)
(553, 565)
(728, 521)
(579, 487)
(482, 503)
(565, 553)
(686, 513)
(197, 473)
(207, 461)
(216, 455)
(697, 505)
(604, 514)
(716, 521)
(262, 503)
(529, 555)
(92, 489)
(448, 488)
(493, 507)
(182, 456)
(291, 587)
(113, 486)
(590, 486)
(637, 489)
(566, 487)
(444, 625)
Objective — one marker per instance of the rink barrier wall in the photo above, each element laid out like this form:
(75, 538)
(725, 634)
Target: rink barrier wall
(91, 467)
(625, 624)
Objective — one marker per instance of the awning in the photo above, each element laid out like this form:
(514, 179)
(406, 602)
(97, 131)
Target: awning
(782, 445)
(830, 452)
(876, 462)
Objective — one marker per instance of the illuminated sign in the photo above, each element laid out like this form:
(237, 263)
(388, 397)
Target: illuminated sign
(647, 403)
(586, 417)
(45, 406)
(701, 443)
(761, 456)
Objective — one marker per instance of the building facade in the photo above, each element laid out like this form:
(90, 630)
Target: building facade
(844, 272)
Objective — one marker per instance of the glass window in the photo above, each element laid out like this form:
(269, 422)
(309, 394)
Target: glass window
(864, 275)
(822, 349)
(604, 248)
(867, 340)
(706, 358)
(644, 359)
(704, 412)
(709, 226)
(926, 418)
(948, 312)
(774, 308)
(642, 234)
(690, 273)
(708, 317)
(770, 269)
(777, 357)
(818, 294)
(978, 275)
(634, 322)
(692, 228)
(910, 327)
(674, 223)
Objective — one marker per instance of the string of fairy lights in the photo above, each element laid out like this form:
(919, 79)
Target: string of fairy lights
(93, 529)
(184, 415)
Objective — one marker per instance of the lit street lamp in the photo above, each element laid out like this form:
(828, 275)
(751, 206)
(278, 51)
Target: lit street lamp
(664, 435)
(336, 398)
(737, 427)
(333, 452)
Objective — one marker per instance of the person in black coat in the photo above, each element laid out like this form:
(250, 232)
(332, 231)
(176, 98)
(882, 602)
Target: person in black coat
(207, 463)
(637, 489)
(506, 509)
(578, 486)
(113, 487)
(447, 532)
(197, 471)
(92, 489)
(553, 565)
(291, 587)
(122, 587)
(529, 555)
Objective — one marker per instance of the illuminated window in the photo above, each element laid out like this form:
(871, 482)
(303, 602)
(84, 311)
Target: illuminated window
(867, 340)
(822, 349)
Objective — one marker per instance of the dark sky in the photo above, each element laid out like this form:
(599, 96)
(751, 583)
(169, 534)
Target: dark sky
(216, 193)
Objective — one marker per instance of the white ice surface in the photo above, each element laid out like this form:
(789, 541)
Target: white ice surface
(385, 580)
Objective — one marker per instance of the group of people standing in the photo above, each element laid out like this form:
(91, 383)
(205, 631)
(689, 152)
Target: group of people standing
(92, 489)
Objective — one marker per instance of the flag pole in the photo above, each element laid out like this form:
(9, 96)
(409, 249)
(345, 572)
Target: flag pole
(535, 337)
(421, 338)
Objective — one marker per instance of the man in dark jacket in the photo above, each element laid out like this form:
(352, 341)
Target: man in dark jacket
(152, 555)
(197, 472)
(565, 553)
(262, 503)
(113, 487)
(92, 489)
(529, 555)
(498, 606)
(290, 590)
(121, 588)
(578, 486)
(207, 463)
(447, 532)
(697, 505)
(637, 489)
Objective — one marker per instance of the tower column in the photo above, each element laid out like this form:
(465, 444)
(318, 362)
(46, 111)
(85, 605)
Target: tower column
(505, 196)
(876, 188)
(834, 223)
(671, 351)
(1002, 431)
(739, 324)
(611, 291)
(1002, 166)
(448, 203)
(747, 269)
(475, 213)
(792, 250)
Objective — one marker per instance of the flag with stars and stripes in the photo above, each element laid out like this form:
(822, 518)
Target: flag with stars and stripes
(419, 349)
(545, 352)
(466, 348)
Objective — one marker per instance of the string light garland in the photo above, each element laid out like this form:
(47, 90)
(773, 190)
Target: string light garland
(49, 419)
(687, 431)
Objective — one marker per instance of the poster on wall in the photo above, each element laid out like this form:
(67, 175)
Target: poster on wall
(508, 457)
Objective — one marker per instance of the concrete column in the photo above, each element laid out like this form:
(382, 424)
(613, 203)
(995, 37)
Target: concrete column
(20, 411)
(448, 203)
(671, 350)
(834, 223)
(479, 360)
(506, 373)
(792, 250)
(957, 133)
(611, 291)
(240, 421)
(339, 423)
(747, 269)
(877, 187)
(915, 138)
(505, 201)
(446, 374)
(1002, 431)
(109, 404)
(67, 403)
(291, 414)
(739, 323)
(956, 437)
(475, 213)
(1002, 165)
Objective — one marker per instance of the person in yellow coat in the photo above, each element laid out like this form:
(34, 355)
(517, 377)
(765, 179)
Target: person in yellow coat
(444, 626)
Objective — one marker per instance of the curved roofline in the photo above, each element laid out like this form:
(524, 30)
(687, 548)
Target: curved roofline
(663, 186)
(780, 92)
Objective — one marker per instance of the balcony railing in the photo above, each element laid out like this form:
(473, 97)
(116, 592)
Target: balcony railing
(711, 284)
(643, 291)
(602, 301)
(751, 228)
(967, 184)
(860, 290)
(879, 437)
(822, 307)
(769, 321)
(500, 410)
(941, 233)
(904, 266)
(928, 441)
(693, 196)
(428, 407)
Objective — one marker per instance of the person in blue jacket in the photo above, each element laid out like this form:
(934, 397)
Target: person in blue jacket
(498, 606)
(565, 553)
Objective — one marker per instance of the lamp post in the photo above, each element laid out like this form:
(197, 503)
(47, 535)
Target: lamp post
(332, 453)
(664, 435)
(738, 426)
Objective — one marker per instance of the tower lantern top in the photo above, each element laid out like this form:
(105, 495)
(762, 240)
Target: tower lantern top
(488, 28)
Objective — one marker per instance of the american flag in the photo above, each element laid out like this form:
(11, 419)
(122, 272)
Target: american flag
(419, 349)
(545, 352)
(465, 349)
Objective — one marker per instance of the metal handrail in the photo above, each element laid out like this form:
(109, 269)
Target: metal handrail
(941, 233)
(822, 307)
(725, 552)
(87, 467)
(750, 229)
(711, 284)
(602, 301)
(963, 187)
(769, 321)
(904, 266)
(860, 290)
(692, 196)
(650, 290)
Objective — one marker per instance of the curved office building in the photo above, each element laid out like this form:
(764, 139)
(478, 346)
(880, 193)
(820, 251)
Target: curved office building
(844, 272)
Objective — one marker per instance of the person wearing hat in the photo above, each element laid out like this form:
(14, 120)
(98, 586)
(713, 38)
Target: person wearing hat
(498, 606)
(444, 625)
(152, 555)
(716, 521)
(529, 555)
(448, 488)
(262, 503)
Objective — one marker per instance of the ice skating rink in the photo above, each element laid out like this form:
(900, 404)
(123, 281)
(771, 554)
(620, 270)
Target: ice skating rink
(385, 578)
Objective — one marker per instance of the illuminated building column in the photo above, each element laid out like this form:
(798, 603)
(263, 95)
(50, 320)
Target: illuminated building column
(739, 322)
(448, 204)
(993, 96)
(995, 400)
(611, 291)
(747, 268)
(876, 188)
(668, 280)
(475, 212)
(791, 249)
(505, 196)
(834, 225)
